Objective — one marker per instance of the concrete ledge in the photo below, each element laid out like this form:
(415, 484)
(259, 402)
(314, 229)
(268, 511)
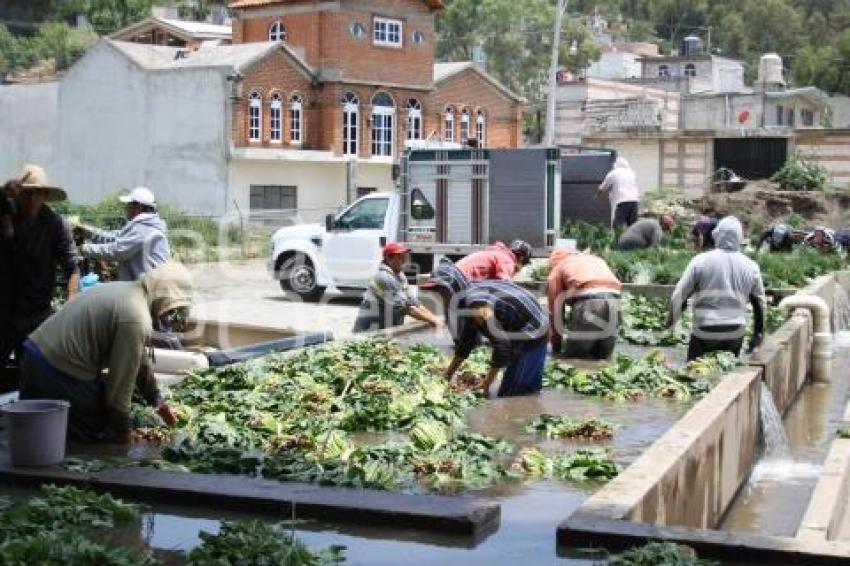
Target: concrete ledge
(785, 359)
(707, 455)
(452, 515)
(583, 531)
(825, 514)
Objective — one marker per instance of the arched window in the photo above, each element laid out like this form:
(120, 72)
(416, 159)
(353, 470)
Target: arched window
(449, 125)
(295, 124)
(255, 116)
(481, 128)
(277, 32)
(383, 125)
(663, 71)
(275, 118)
(464, 126)
(349, 123)
(414, 119)
(690, 70)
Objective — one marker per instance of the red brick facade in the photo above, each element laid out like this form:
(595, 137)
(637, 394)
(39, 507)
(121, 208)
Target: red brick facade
(341, 62)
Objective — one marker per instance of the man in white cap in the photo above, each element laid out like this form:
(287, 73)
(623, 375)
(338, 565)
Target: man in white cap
(35, 243)
(140, 246)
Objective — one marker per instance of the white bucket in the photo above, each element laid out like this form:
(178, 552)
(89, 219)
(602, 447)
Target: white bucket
(566, 243)
(37, 429)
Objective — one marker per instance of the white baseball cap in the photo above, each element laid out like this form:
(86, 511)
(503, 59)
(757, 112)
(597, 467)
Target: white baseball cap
(141, 195)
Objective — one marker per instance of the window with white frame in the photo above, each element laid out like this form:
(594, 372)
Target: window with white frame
(481, 128)
(807, 117)
(295, 114)
(449, 125)
(255, 116)
(386, 32)
(275, 118)
(349, 123)
(663, 71)
(383, 124)
(277, 32)
(690, 70)
(414, 119)
(464, 126)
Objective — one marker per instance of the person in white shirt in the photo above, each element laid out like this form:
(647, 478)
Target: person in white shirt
(623, 193)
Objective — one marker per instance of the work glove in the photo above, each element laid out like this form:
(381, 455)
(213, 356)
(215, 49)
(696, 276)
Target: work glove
(164, 411)
(755, 342)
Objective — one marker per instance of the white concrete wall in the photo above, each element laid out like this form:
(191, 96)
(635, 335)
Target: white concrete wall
(615, 65)
(120, 126)
(643, 156)
(28, 117)
(840, 107)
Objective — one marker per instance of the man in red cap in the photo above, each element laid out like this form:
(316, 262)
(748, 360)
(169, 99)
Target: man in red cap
(388, 298)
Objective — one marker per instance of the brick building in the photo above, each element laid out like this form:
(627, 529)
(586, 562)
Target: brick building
(361, 80)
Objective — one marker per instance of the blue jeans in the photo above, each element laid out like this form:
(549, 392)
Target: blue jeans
(524, 375)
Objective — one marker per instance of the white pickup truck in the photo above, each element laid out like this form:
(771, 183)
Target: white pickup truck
(447, 203)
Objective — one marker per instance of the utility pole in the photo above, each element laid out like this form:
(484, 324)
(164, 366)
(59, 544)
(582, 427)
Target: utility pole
(549, 132)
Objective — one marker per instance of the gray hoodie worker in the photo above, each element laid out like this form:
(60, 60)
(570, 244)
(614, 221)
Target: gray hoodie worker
(721, 281)
(140, 246)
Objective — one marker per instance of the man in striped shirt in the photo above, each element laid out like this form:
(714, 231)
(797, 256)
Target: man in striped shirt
(511, 319)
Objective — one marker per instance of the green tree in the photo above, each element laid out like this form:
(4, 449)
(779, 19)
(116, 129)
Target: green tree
(106, 16)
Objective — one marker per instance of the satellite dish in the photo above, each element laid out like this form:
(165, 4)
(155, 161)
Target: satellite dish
(743, 116)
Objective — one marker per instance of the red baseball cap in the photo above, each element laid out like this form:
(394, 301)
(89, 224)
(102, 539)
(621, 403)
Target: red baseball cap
(394, 248)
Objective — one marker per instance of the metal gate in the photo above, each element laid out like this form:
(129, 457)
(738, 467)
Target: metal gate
(751, 158)
(581, 175)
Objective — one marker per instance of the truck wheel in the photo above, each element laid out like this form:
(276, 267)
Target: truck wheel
(298, 278)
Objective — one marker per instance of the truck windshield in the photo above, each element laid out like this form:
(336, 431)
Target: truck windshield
(368, 214)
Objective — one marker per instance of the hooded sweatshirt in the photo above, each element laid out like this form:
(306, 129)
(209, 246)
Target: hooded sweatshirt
(108, 327)
(573, 274)
(621, 184)
(722, 281)
(496, 262)
(140, 246)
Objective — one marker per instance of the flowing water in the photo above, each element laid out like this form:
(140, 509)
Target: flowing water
(772, 430)
(776, 497)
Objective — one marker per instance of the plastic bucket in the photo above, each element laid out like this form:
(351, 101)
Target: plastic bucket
(37, 429)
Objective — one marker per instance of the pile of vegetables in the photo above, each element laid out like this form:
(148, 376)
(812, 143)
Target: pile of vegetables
(564, 426)
(656, 553)
(580, 466)
(59, 528)
(297, 419)
(73, 526)
(626, 378)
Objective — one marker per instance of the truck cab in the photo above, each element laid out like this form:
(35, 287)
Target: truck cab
(447, 203)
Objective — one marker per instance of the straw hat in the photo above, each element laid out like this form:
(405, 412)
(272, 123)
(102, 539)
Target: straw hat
(33, 177)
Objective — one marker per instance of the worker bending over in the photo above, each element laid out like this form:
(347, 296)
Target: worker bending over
(645, 233)
(389, 296)
(106, 328)
(35, 244)
(585, 283)
(508, 316)
(702, 233)
(496, 262)
(721, 282)
(779, 238)
(623, 193)
(140, 246)
(823, 240)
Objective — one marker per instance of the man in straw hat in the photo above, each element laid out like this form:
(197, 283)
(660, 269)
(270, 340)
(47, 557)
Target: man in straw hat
(106, 328)
(34, 242)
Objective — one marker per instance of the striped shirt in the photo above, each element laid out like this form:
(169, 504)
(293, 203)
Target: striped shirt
(519, 320)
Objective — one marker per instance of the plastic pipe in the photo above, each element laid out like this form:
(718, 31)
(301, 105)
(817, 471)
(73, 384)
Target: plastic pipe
(822, 342)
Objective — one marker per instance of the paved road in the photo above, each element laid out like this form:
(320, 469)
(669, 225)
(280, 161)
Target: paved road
(243, 293)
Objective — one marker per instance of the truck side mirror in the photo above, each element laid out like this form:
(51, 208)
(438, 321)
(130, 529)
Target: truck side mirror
(330, 222)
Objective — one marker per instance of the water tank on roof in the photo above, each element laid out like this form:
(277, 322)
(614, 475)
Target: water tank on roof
(770, 70)
(692, 46)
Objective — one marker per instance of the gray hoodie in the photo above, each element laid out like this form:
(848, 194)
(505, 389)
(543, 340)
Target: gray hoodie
(140, 246)
(722, 281)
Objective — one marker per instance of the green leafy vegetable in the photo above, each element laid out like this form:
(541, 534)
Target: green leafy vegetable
(585, 466)
(553, 426)
(258, 543)
(660, 553)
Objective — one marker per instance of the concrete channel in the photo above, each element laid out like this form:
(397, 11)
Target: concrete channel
(681, 488)
(678, 488)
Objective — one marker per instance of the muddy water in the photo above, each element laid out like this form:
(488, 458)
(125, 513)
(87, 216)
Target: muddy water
(779, 490)
(530, 510)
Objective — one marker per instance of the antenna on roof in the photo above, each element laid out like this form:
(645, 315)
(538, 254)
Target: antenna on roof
(181, 54)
